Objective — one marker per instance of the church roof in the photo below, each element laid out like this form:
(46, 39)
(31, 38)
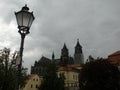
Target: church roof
(44, 61)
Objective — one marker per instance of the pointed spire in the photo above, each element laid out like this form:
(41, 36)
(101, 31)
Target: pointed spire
(78, 44)
(53, 56)
(65, 47)
(64, 51)
(78, 47)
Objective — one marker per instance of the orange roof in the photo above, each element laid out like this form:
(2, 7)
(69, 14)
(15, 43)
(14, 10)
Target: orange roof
(69, 67)
(74, 65)
(64, 68)
(115, 58)
(114, 54)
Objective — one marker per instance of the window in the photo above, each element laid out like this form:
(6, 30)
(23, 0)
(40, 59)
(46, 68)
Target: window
(31, 85)
(73, 77)
(36, 86)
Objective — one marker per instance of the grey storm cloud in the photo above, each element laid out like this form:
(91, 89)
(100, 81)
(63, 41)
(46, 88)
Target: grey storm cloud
(94, 22)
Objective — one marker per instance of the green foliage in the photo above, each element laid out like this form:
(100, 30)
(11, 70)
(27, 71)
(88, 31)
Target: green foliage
(61, 81)
(99, 75)
(51, 80)
(8, 71)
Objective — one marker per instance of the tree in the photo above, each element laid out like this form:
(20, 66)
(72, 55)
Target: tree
(61, 81)
(90, 58)
(8, 70)
(51, 81)
(99, 75)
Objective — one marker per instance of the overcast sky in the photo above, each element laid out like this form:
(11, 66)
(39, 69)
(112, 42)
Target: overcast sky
(96, 23)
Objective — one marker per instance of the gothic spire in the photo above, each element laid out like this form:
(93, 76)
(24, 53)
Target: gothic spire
(65, 47)
(53, 56)
(78, 44)
(78, 55)
(78, 47)
(64, 51)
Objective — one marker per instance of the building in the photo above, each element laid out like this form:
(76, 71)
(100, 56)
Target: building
(64, 60)
(115, 58)
(78, 55)
(66, 64)
(71, 74)
(32, 83)
(39, 66)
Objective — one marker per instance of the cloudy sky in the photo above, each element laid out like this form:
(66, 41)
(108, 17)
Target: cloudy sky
(96, 23)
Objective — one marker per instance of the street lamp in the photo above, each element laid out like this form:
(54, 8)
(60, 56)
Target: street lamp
(24, 21)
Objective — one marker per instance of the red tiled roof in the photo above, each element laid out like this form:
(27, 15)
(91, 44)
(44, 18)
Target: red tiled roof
(115, 58)
(74, 65)
(114, 54)
(64, 68)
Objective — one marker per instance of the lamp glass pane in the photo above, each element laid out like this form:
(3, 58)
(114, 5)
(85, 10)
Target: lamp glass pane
(31, 20)
(26, 17)
(19, 18)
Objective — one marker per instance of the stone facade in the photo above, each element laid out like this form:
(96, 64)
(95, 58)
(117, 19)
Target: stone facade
(71, 73)
(32, 83)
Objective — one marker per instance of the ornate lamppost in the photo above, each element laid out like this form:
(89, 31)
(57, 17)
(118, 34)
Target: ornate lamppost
(24, 21)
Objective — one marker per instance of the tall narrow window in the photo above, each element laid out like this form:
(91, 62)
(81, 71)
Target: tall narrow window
(36, 86)
(31, 85)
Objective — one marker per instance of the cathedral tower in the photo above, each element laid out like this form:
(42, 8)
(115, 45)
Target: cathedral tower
(64, 55)
(78, 55)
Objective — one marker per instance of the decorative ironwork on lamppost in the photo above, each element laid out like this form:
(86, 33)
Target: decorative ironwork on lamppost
(24, 21)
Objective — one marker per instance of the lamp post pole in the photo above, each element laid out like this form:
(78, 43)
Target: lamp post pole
(20, 63)
(24, 21)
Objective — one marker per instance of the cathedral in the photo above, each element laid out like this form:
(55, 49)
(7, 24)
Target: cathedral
(64, 60)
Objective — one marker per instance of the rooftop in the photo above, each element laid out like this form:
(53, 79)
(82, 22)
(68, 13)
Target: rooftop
(115, 53)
